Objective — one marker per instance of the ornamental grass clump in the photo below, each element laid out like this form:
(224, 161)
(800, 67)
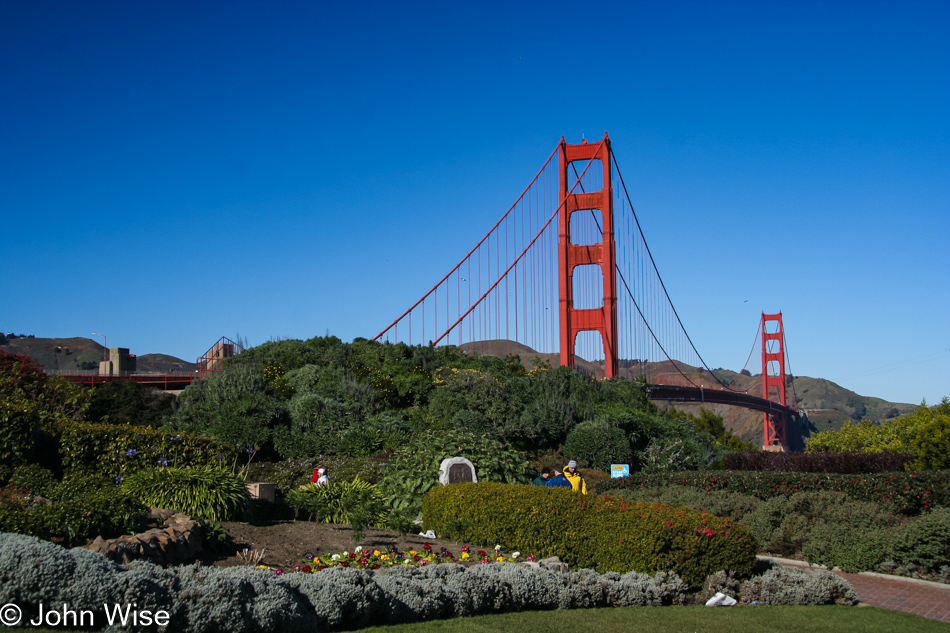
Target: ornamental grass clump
(202, 491)
(600, 533)
(356, 502)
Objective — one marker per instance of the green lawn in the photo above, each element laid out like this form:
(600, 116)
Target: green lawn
(675, 620)
(827, 619)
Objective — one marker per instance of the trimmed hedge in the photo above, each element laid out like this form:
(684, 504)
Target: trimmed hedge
(118, 450)
(600, 533)
(899, 492)
(840, 463)
(77, 510)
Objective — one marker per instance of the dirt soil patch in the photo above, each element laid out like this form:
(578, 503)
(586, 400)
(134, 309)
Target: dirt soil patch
(286, 542)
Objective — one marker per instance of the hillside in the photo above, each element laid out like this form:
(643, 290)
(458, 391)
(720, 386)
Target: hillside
(826, 404)
(75, 355)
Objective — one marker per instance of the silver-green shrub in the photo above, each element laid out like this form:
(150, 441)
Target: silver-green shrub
(782, 585)
(238, 599)
(340, 598)
(243, 599)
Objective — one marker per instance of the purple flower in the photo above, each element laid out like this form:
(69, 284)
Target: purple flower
(162, 461)
(118, 479)
(130, 452)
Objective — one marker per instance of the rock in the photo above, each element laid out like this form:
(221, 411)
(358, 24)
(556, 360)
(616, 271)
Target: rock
(178, 541)
(554, 564)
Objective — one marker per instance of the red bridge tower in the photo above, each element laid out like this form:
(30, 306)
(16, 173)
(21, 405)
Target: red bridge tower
(773, 376)
(570, 255)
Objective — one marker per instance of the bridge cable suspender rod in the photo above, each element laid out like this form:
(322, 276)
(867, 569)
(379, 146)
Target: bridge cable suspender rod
(476, 247)
(659, 278)
(514, 263)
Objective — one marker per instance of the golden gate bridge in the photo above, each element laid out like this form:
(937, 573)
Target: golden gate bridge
(566, 276)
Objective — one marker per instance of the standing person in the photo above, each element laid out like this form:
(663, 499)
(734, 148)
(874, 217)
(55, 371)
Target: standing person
(542, 479)
(558, 480)
(573, 476)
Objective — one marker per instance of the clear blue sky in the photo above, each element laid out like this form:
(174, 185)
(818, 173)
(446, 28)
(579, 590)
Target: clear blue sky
(174, 172)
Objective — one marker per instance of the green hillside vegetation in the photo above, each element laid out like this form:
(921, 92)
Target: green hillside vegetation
(925, 433)
(289, 399)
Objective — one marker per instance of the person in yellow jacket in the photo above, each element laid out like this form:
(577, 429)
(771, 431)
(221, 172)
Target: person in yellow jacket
(577, 482)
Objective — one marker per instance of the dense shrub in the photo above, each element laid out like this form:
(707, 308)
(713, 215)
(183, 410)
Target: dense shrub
(900, 493)
(483, 398)
(231, 406)
(597, 533)
(804, 521)
(33, 477)
(77, 510)
(413, 469)
(598, 443)
(316, 423)
(202, 491)
(851, 548)
(924, 541)
(32, 404)
(129, 402)
(925, 433)
(117, 450)
(673, 444)
(17, 421)
(841, 463)
(722, 503)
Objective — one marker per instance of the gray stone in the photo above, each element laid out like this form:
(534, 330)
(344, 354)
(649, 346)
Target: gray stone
(554, 564)
(455, 470)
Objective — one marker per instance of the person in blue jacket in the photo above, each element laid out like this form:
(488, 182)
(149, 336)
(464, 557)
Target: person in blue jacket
(559, 480)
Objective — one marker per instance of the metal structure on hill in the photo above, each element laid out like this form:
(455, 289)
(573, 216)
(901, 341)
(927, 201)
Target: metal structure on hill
(208, 363)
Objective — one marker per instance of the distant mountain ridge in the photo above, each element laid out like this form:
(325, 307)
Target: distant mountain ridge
(78, 355)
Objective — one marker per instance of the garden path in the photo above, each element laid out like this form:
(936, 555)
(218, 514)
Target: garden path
(920, 597)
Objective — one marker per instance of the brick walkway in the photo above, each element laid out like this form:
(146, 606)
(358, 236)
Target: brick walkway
(927, 599)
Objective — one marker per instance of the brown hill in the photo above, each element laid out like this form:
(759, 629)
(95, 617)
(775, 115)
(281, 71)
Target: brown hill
(76, 355)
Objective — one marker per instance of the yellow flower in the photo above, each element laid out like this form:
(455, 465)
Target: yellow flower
(413, 552)
(500, 559)
(465, 556)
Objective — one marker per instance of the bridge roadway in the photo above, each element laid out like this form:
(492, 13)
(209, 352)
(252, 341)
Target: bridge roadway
(718, 396)
(166, 382)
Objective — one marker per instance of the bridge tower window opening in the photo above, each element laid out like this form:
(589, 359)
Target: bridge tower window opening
(587, 290)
